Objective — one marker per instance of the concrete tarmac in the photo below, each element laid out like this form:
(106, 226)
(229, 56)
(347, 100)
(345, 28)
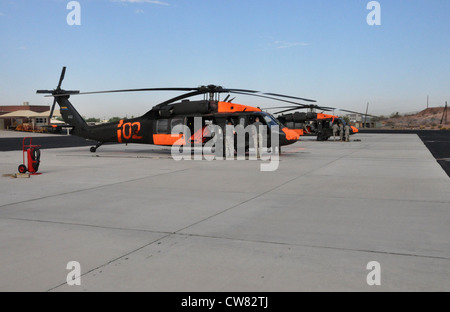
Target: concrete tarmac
(136, 220)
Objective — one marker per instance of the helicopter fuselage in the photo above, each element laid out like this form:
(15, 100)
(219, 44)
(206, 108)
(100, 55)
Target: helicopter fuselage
(157, 126)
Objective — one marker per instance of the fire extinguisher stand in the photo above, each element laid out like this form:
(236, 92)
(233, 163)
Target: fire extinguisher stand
(31, 157)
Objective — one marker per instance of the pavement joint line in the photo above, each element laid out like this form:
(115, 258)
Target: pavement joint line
(169, 234)
(93, 188)
(314, 246)
(178, 233)
(85, 225)
(113, 260)
(249, 241)
(265, 192)
(385, 199)
(223, 211)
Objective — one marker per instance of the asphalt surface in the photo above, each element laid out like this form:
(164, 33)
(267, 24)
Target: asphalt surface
(15, 144)
(437, 142)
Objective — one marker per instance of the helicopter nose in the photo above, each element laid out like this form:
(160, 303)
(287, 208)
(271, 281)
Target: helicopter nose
(291, 135)
(288, 136)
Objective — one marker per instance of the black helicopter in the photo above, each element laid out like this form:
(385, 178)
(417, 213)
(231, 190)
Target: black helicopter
(312, 123)
(155, 126)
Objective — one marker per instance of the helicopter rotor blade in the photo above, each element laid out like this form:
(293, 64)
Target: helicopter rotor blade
(280, 107)
(191, 92)
(268, 97)
(51, 111)
(325, 109)
(178, 98)
(201, 90)
(61, 78)
(130, 90)
(287, 110)
(239, 90)
(292, 108)
(358, 113)
(44, 91)
(58, 88)
(66, 93)
(290, 97)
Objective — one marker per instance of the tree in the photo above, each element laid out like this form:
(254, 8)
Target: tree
(115, 119)
(93, 119)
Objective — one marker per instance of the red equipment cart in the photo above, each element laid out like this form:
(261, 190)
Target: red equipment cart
(31, 157)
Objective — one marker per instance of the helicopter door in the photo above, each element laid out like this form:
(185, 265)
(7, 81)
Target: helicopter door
(190, 124)
(197, 136)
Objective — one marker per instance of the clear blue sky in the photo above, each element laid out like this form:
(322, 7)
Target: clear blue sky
(320, 49)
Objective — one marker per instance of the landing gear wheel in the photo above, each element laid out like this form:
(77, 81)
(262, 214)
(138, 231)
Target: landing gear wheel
(94, 148)
(22, 169)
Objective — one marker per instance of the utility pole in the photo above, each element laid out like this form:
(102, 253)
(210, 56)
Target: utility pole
(444, 114)
(427, 100)
(365, 116)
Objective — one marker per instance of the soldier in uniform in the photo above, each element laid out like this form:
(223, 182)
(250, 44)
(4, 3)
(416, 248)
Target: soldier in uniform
(335, 130)
(257, 137)
(229, 140)
(341, 131)
(347, 133)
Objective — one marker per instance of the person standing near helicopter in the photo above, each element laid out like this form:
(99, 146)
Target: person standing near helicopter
(257, 137)
(347, 133)
(229, 140)
(341, 131)
(335, 130)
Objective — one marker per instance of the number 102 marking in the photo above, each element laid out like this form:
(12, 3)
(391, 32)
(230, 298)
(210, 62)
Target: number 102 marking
(128, 131)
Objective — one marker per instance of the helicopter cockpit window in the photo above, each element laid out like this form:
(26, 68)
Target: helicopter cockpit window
(176, 121)
(270, 120)
(162, 126)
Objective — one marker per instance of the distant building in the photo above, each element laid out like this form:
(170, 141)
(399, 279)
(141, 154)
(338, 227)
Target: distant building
(359, 121)
(13, 115)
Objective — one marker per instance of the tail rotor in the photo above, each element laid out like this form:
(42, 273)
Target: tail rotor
(57, 91)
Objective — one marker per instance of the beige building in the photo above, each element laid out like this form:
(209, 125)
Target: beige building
(33, 115)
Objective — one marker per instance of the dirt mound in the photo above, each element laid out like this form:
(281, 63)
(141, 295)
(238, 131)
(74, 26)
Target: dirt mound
(429, 118)
(431, 111)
